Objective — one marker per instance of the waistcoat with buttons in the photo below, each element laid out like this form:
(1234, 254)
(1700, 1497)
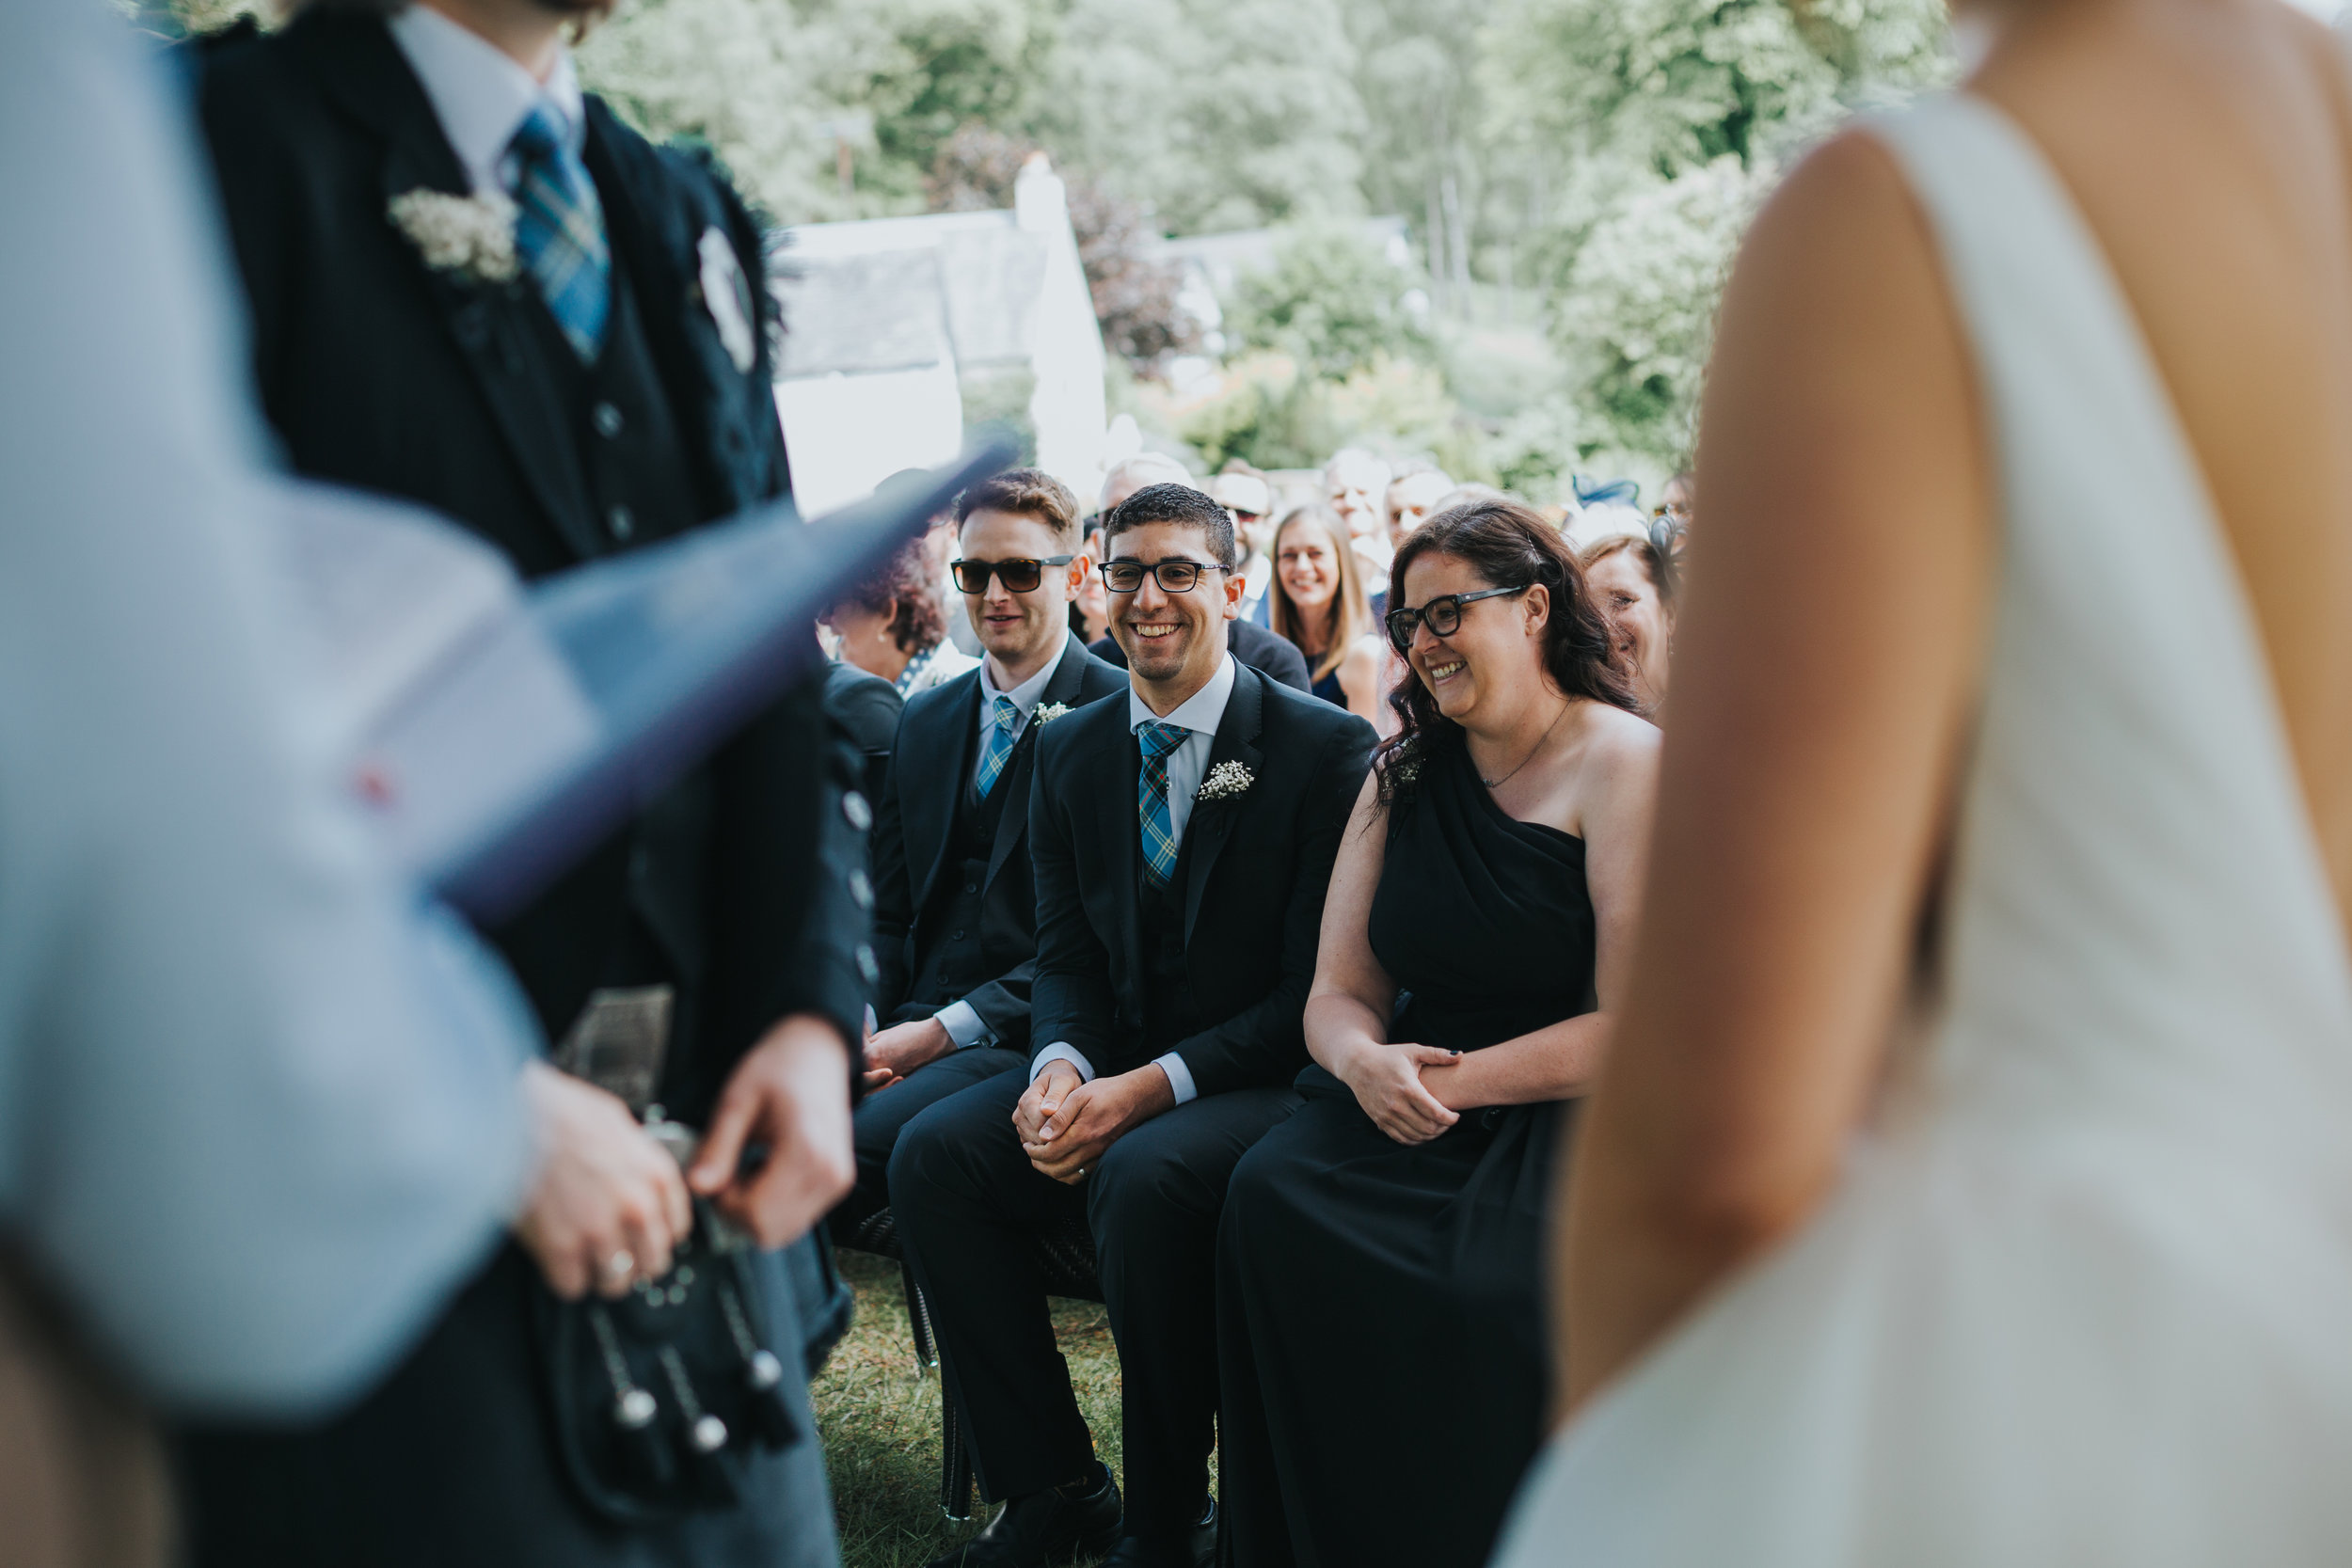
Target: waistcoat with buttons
(1169, 1013)
(625, 444)
(952, 962)
(622, 437)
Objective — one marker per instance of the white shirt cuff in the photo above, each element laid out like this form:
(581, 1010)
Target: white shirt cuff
(1061, 1052)
(962, 1025)
(1178, 1077)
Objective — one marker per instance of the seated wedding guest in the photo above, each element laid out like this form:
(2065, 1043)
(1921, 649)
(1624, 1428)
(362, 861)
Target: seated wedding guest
(955, 904)
(1379, 1268)
(1674, 499)
(258, 1114)
(1090, 611)
(1246, 499)
(1184, 839)
(1632, 575)
(1253, 646)
(1319, 607)
(1414, 496)
(598, 379)
(1356, 486)
(893, 624)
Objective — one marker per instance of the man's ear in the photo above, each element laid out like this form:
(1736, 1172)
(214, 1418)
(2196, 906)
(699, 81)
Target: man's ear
(1075, 579)
(1235, 585)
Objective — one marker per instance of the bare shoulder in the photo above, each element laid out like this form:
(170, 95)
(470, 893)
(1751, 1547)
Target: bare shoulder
(1616, 742)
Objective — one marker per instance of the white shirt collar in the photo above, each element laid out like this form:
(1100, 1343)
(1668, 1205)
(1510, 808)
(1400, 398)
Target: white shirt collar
(1200, 713)
(1023, 696)
(479, 94)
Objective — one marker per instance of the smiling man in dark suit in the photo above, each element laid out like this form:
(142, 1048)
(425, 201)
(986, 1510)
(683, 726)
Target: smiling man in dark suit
(1183, 841)
(955, 902)
(472, 285)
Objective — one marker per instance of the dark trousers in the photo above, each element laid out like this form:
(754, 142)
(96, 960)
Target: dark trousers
(881, 1118)
(968, 1203)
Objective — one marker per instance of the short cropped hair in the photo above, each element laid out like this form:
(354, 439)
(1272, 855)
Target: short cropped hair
(1175, 503)
(1030, 491)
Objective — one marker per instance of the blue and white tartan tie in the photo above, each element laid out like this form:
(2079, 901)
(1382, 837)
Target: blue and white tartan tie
(999, 745)
(1159, 831)
(559, 228)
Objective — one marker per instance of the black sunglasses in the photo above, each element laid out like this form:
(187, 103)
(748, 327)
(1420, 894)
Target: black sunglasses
(1018, 576)
(1175, 577)
(1442, 615)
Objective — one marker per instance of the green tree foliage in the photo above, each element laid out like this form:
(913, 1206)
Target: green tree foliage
(1331, 301)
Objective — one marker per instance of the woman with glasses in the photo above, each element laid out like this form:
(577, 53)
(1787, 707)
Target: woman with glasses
(1475, 934)
(1632, 575)
(1317, 602)
(892, 625)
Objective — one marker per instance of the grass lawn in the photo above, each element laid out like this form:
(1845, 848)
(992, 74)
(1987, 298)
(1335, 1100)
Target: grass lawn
(880, 1421)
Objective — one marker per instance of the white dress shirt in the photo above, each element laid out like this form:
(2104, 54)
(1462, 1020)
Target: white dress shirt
(1200, 713)
(482, 95)
(257, 1102)
(963, 1024)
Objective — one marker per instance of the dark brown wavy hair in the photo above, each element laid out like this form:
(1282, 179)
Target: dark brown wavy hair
(1508, 546)
(904, 581)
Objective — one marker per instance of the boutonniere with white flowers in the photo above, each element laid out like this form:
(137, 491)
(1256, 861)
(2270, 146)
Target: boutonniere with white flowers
(1047, 712)
(472, 236)
(1226, 781)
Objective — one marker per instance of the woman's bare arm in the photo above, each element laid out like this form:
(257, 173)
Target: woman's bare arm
(1615, 793)
(1824, 673)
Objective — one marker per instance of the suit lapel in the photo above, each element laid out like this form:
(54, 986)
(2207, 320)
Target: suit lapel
(928, 816)
(1014, 824)
(362, 69)
(1212, 821)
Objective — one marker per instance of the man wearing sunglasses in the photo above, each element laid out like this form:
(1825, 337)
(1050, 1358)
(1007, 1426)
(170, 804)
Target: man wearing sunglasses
(1183, 840)
(955, 908)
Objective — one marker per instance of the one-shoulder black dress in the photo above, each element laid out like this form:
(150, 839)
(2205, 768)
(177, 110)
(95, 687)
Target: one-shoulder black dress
(1381, 1340)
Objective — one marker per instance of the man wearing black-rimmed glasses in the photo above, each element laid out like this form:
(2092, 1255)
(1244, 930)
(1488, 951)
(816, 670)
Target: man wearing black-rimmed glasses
(1183, 841)
(955, 907)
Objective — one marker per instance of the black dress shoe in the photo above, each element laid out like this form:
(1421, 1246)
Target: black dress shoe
(1184, 1549)
(1044, 1529)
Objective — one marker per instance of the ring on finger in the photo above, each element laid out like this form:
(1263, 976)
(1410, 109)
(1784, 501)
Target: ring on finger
(621, 1265)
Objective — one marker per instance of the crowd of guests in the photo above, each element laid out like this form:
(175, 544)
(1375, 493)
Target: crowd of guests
(1266, 954)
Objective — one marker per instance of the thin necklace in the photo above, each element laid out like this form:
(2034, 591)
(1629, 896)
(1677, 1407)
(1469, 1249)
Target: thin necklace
(1497, 784)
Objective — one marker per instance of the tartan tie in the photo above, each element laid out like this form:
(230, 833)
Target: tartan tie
(1159, 833)
(999, 745)
(558, 227)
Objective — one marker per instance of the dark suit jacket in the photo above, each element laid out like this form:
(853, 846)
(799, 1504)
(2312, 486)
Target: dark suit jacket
(1253, 646)
(380, 373)
(867, 708)
(917, 818)
(1255, 869)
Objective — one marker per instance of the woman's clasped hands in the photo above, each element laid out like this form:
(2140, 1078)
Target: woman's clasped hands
(1387, 1079)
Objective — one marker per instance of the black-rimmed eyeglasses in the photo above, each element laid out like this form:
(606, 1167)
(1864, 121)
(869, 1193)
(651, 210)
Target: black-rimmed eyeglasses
(1018, 576)
(1175, 577)
(1442, 615)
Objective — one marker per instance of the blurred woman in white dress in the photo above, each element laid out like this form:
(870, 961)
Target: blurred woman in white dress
(1970, 1181)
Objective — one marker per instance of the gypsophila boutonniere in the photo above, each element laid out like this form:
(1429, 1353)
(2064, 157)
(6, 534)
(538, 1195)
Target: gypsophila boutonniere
(1047, 712)
(472, 236)
(1225, 780)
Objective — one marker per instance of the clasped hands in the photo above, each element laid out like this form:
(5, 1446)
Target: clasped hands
(1065, 1123)
(1399, 1086)
(608, 1205)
